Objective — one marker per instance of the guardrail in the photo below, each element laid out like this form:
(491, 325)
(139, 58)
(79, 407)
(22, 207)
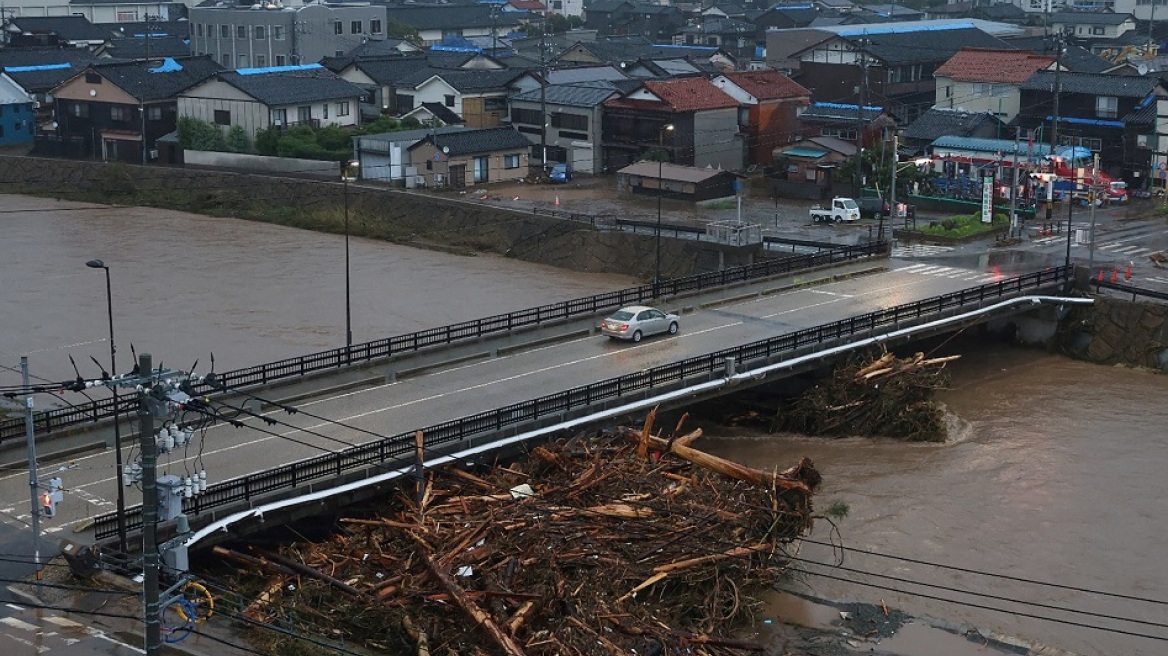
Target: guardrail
(1130, 289)
(338, 358)
(397, 450)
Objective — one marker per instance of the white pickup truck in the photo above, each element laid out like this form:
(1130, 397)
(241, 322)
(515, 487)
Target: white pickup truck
(841, 210)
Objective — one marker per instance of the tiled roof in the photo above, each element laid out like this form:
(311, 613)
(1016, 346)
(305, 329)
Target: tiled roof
(141, 28)
(986, 65)
(606, 6)
(10, 57)
(672, 171)
(286, 85)
(443, 113)
(1120, 86)
(629, 48)
(799, 15)
(1001, 11)
(578, 74)
(468, 81)
(571, 95)
(447, 17)
(528, 5)
(938, 122)
(838, 112)
(681, 95)
(158, 46)
(1074, 58)
(1088, 18)
(1004, 146)
(922, 45)
(473, 142)
(719, 25)
(390, 70)
(148, 81)
(69, 28)
(768, 84)
(891, 10)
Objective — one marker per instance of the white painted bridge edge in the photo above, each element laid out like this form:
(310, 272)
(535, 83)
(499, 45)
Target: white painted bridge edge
(258, 511)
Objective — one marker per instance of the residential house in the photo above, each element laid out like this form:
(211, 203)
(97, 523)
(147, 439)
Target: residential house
(1074, 58)
(783, 17)
(63, 31)
(625, 18)
(574, 119)
(141, 48)
(940, 122)
(433, 113)
(1091, 25)
(678, 182)
(1091, 113)
(101, 12)
(471, 157)
(17, 123)
(283, 97)
(648, 68)
(805, 168)
(263, 35)
(386, 157)
(570, 75)
(436, 23)
(733, 36)
(890, 13)
(844, 121)
(478, 96)
(378, 75)
(117, 110)
(532, 6)
(571, 8)
(886, 61)
(1002, 12)
(987, 80)
(693, 121)
(40, 70)
(785, 47)
(772, 103)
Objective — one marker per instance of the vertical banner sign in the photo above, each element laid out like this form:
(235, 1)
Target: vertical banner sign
(987, 198)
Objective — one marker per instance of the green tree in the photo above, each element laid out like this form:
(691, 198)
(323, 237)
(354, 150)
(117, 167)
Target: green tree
(398, 30)
(194, 134)
(237, 141)
(267, 141)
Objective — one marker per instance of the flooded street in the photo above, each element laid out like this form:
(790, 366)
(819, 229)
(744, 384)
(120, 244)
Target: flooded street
(185, 286)
(1056, 475)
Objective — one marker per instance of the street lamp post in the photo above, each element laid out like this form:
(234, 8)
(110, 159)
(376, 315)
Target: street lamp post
(109, 304)
(660, 193)
(347, 169)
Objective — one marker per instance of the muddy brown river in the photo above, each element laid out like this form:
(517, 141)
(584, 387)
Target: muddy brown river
(1056, 473)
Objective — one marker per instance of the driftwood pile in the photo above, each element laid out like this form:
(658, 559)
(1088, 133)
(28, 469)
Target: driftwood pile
(614, 544)
(885, 397)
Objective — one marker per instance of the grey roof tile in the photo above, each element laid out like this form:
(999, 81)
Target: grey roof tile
(922, 45)
(289, 85)
(69, 28)
(156, 80)
(571, 95)
(473, 142)
(1121, 86)
(939, 122)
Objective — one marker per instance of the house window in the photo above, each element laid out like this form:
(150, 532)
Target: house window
(79, 110)
(511, 161)
(355, 27)
(528, 116)
(1098, 31)
(448, 100)
(1142, 141)
(127, 16)
(375, 26)
(198, 29)
(119, 113)
(338, 27)
(343, 108)
(278, 32)
(570, 121)
(281, 60)
(92, 78)
(242, 61)
(279, 117)
(324, 110)
(1106, 106)
(339, 53)
(222, 117)
(225, 60)
(260, 33)
(261, 61)
(949, 91)
(304, 114)
(482, 169)
(404, 102)
(154, 113)
(839, 133)
(224, 31)
(241, 31)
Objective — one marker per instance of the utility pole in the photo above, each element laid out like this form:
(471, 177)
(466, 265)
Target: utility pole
(149, 509)
(861, 93)
(33, 482)
(1014, 230)
(543, 96)
(1070, 210)
(891, 192)
(1058, 85)
(141, 100)
(1093, 197)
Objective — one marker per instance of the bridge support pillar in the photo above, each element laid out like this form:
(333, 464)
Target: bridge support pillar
(731, 367)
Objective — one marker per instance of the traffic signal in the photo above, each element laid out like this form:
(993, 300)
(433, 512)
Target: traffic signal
(51, 497)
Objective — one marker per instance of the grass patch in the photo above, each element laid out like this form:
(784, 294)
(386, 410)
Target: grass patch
(722, 205)
(966, 225)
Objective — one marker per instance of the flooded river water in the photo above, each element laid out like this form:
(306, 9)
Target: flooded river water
(1056, 473)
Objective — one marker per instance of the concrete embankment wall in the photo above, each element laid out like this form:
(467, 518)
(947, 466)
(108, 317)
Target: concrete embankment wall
(1118, 331)
(427, 219)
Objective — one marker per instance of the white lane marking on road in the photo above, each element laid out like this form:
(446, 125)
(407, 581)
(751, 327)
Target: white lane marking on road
(102, 636)
(52, 529)
(18, 624)
(15, 607)
(40, 649)
(63, 622)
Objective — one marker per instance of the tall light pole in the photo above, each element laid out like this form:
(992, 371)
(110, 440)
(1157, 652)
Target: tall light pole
(348, 169)
(660, 193)
(109, 304)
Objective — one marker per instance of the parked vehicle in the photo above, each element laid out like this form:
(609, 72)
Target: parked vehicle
(874, 208)
(638, 321)
(561, 172)
(841, 210)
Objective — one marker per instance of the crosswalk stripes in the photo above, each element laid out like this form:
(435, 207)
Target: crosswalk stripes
(57, 634)
(953, 273)
(1121, 247)
(1162, 280)
(919, 250)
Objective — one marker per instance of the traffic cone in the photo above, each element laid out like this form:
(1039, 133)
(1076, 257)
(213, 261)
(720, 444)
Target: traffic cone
(1127, 274)
(1101, 275)
(1114, 275)
(557, 201)
(516, 198)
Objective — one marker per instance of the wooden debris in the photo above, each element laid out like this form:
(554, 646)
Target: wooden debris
(625, 542)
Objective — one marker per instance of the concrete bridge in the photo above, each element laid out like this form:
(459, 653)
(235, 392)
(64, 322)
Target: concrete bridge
(488, 385)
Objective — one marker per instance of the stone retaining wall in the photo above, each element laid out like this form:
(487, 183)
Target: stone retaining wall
(1115, 331)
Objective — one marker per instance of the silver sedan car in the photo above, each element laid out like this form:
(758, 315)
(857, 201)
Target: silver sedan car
(637, 321)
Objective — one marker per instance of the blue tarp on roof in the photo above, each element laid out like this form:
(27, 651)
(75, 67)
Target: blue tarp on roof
(804, 152)
(893, 29)
(169, 65)
(989, 146)
(276, 69)
(832, 105)
(40, 67)
(686, 46)
(447, 48)
(1088, 121)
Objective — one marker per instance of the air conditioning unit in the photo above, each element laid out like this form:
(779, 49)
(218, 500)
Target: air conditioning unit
(277, 122)
(153, 153)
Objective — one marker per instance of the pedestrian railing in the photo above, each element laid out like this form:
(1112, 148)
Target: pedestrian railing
(357, 354)
(397, 450)
(1130, 289)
